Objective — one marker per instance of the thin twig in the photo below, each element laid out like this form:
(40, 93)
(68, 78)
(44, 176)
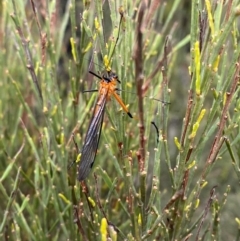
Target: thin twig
(98, 198)
(137, 55)
(164, 70)
(229, 7)
(187, 117)
(154, 5)
(78, 222)
(174, 198)
(151, 76)
(202, 27)
(86, 193)
(43, 36)
(210, 200)
(218, 138)
(30, 65)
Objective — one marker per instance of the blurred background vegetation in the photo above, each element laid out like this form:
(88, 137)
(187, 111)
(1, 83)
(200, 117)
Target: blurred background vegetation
(182, 184)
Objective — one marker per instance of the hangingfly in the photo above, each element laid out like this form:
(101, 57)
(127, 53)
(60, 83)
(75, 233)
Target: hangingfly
(107, 88)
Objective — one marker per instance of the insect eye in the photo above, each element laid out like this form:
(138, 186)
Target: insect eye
(114, 75)
(105, 77)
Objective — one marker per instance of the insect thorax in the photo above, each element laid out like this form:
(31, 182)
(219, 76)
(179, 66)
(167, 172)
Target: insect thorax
(110, 77)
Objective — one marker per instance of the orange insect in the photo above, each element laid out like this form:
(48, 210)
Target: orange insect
(107, 88)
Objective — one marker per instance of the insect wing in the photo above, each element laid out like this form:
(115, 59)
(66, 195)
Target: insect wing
(92, 139)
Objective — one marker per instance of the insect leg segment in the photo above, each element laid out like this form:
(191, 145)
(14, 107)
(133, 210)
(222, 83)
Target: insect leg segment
(157, 130)
(119, 100)
(90, 91)
(94, 74)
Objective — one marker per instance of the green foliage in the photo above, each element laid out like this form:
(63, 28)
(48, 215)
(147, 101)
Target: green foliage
(143, 186)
